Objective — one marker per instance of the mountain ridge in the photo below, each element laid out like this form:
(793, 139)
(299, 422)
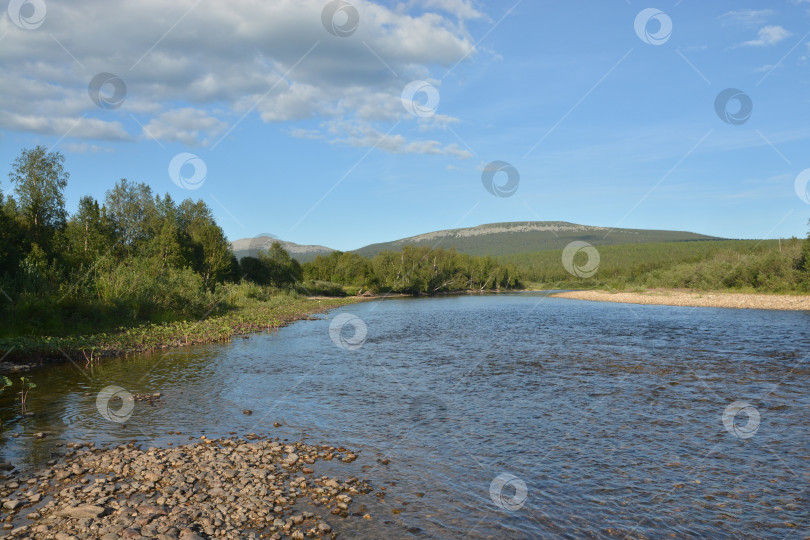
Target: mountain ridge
(495, 239)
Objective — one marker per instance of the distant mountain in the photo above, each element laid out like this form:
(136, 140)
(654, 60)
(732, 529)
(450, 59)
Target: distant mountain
(520, 237)
(494, 239)
(250, 247)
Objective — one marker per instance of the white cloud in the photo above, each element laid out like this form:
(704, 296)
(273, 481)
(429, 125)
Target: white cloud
(187, 125)
(84, 148)
(193, 69)
(747, 17)
(463, 9)
(769, 35)
(301, 133)
(363, 135)
(82, 127)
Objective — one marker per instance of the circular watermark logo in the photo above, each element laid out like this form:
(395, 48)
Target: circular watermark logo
(733, 422)
(580, 270)
(340, 18)
(508, 188)
(508, 492)
(653, 26)
(338, 331)
(728, 114)
(99, 93)
(427, 409)
(27, 14)
(802, 185)
(115, 404)
(261, 243)
(187, 170)
(426, 106)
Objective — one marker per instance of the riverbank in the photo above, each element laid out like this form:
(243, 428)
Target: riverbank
(671, 297)
(253, 487)
(258, 316)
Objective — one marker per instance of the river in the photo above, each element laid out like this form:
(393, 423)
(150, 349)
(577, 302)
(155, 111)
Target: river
(493, 416)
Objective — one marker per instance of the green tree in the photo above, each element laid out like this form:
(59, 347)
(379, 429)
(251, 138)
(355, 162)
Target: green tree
(40, 179)
(254, 270)
(12, 239)
(130, 208)
(88, 234)
(283, 269)
(211, 252)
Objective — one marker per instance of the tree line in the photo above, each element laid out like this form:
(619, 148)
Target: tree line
(138, 256)
(413, 270)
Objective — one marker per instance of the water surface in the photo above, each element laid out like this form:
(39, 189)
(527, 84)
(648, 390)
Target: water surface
(611, 415)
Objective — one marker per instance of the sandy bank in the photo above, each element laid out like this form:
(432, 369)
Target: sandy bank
(696, 299)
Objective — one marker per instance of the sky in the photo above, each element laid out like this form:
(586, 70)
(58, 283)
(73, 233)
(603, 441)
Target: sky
(349, 122)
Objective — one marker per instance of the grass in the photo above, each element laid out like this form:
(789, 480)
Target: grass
(250, 315)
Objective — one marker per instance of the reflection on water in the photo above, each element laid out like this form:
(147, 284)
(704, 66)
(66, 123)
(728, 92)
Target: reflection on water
(610, 415)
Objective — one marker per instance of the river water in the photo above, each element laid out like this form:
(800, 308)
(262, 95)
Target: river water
(499, 416)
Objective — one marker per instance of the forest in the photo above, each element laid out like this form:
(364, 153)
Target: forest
(137, 257)
(774, 266)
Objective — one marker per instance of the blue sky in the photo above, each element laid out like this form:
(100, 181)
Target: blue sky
(300, 122)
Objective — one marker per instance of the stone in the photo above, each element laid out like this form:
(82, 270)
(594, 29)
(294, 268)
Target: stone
(83, 511)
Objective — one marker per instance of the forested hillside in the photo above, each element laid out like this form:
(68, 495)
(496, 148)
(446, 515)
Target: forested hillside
(500, 239)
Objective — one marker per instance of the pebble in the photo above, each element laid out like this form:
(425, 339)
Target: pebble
(230, 487)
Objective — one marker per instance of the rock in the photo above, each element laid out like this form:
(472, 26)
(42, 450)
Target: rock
(324, 528)
(188, 534)
(40, 435)
(247, 412)
(83, 511)
(11, 505)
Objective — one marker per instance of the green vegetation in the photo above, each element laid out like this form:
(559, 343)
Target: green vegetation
(253, 308)
(744, 265)
(134, 258)
(139, 271)
(414, 270)
(501, 239)
(27, 386)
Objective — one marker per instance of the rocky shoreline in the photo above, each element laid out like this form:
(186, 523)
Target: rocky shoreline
(251, 487)
(733, 300)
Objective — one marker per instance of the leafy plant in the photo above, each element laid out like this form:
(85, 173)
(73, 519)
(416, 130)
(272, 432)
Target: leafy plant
(27, 385)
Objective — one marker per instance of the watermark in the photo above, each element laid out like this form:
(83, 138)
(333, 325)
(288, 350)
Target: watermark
(422, 108)
(732, 421)
(508, 188)
(337, 331)
(802, 185)
(340, 18)
(580, 270)
(27, 14)
(105, 100)
(427, 409)
(115, 404)
(184, 163)
(508, 492)
(261, 243)
(649, 17)
(728, 115)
